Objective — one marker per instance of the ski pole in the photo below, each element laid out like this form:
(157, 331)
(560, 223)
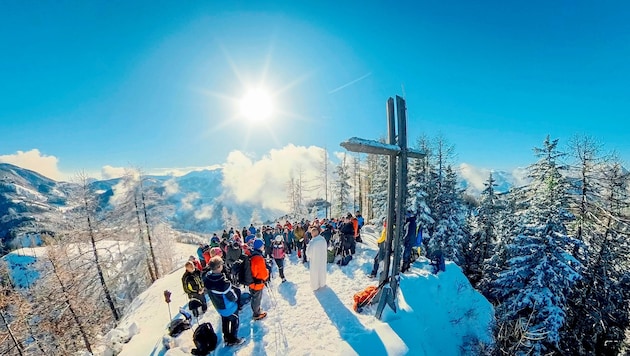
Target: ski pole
(167, 299)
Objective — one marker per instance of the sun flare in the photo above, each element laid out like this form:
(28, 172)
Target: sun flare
(256, 105)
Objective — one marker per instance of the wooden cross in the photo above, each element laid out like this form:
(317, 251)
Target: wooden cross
(398, 152)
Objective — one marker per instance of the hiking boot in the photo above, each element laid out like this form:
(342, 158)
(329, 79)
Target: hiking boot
(238, 341)
(260, 316)
(284, 280)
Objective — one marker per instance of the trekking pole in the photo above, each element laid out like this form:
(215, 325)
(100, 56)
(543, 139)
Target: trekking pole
(167, 299)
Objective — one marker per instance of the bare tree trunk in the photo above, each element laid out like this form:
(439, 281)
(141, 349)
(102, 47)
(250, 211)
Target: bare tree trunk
(18, 345)
(151, 272)
(75, 317)
(146, 222)
(101, 276)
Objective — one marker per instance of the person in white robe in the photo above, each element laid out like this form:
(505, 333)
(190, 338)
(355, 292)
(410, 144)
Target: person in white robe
(317, 252)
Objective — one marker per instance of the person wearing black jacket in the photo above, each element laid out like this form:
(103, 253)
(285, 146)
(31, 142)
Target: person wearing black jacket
(193, 287)
(347, 235)
(408, 239)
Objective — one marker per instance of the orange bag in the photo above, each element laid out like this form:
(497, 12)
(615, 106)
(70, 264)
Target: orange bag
(364, 297)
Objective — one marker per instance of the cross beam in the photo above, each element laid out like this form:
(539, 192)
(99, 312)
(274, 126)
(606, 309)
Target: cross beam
(361, 145)
(398, 152)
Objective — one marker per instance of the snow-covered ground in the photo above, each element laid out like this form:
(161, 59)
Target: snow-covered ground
(437, 314)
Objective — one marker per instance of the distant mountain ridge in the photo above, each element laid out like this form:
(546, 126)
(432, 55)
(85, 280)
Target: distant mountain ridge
(30, 203)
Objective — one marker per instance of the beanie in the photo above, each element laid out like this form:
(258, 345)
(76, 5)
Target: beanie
(258, 244)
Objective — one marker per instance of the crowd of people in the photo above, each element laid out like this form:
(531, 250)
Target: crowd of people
(238, 259)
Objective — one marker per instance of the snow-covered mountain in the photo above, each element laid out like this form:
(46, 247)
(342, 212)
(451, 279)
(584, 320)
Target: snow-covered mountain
(31, 203)
(472, 179)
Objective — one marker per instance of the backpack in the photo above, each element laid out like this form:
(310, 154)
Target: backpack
(242, 270)
(418, 241)
(177, 326)
(364, 297)
(278, 251)
(205, 340)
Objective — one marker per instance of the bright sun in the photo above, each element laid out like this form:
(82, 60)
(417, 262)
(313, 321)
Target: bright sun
(256, 105)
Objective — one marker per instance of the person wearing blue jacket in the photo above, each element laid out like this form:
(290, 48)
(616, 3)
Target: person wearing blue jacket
(225, 299)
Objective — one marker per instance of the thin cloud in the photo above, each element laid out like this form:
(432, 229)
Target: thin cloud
(350, 83)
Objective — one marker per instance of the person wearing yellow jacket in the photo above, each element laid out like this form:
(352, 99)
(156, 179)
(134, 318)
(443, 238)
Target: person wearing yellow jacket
(380, 255)
(193, 287)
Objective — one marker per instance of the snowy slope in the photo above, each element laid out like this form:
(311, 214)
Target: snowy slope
(437, 315)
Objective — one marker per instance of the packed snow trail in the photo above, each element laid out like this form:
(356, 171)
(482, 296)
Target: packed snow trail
(436, 314)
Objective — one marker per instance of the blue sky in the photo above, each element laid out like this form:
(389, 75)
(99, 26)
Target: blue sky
(155, 84)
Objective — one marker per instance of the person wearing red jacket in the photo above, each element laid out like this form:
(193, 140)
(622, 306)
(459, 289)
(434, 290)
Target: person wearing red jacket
(261, 275)
(196, 263)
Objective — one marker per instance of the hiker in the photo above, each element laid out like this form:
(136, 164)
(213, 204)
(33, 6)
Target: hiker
(298, 238)
(438, 262)
(225, 299)
(195, 262)
(234, 251)
(200, 254)
(268, 239)
(193, 287)
(260, 273)
(380, 255)
(327, 232)
(346, 231)
(277, 253)
(360, 221)
(317, 252)
(408, 239)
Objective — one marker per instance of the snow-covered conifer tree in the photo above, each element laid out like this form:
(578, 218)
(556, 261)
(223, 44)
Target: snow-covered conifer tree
(378, 187)
(484, 235)
(341, 189)
(599, 313)
(449, 232)
(541, 269)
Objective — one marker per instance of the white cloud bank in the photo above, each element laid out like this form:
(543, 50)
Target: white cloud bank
(35, 161)
(264, 181)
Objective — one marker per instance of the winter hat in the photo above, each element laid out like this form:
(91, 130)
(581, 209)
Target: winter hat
(258, 244)
(278, 238)
(216, 251)
(248, 238)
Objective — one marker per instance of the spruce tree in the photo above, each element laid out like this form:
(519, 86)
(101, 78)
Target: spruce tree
(341, 188)
(450, 232)
(541, 269)
(484, 235)
(599, 313)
